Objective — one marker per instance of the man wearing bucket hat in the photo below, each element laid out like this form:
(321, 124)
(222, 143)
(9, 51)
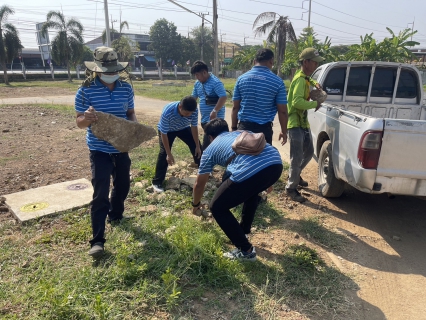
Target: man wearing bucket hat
(299, 134)
(103, 91)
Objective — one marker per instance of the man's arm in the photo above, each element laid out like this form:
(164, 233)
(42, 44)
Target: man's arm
(197, 193)
(299, 100)
(194, 131)
(220, 103)
(85, 119)
(165, 140)
(131, 115)
(282, 118)
(234, 114)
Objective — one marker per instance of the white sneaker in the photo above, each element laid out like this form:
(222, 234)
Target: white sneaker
(238, 254)
(157, 188)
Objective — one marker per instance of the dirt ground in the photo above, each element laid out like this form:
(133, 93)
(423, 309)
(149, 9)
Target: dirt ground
(385, 255)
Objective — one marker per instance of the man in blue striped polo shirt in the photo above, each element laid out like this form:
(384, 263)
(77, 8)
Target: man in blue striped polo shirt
(212, 95)
(178, 119)
(106, 93)
(258, 96)
(249, 175)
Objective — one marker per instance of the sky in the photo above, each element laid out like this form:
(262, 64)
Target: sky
(342, 21)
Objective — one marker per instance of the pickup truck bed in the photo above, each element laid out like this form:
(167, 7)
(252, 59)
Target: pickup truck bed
(376, 147)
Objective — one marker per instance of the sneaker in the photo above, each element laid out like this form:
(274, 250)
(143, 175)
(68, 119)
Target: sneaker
(157, 188)
(295, 195)
(96, 250)
(238, 254)
(303, 183)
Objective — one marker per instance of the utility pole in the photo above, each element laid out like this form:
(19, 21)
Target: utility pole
(221, 45)
(309, 16)
(108, 39)
(112, 29)
(202, 36)
(245, 40)
(216, 51)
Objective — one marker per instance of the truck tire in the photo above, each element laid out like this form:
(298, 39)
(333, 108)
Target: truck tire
(328, 184)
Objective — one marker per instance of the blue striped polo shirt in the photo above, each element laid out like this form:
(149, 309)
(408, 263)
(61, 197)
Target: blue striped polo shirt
(243, 166)
(213, 87)
(115, 102)
(171, 120)
(259, 91)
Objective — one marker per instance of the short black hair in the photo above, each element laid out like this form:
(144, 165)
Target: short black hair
(215, 127)
(188, 103)
(264, 54)
(199, 66)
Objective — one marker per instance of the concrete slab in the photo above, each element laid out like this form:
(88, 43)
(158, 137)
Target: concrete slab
(55, 198)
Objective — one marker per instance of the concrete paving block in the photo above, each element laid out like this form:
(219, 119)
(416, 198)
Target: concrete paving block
(54, 198)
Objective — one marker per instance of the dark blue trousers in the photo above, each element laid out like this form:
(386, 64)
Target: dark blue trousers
(104, 166)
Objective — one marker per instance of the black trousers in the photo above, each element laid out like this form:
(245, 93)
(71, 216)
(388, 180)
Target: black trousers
(161, 168)
(206, 140)
(231, 194)
(104, 165)
(257, 128)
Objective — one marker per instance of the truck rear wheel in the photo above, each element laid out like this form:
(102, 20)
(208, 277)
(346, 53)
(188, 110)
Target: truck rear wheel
(328, 184)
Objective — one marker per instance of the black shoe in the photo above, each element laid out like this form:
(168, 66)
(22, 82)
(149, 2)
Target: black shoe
(97, 250)
(295, 195)
(303, 183)
(119, 220)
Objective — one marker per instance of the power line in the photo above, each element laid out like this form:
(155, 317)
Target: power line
(353, 15)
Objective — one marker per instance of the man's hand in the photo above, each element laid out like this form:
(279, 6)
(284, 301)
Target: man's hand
(198, 152)
(170, 160)
(318, 106)
(213, 115)
(284, 137)
(90, 115)
(318, 86)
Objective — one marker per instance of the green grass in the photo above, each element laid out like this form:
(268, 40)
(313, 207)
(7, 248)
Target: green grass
(159, 264)
(141, 88)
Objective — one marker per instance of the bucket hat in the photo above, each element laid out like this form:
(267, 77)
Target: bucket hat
(105, 60)
(310, 54)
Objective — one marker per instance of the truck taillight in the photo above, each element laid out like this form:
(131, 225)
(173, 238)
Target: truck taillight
(369, 149)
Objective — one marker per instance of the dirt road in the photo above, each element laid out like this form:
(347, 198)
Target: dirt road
(385, 255)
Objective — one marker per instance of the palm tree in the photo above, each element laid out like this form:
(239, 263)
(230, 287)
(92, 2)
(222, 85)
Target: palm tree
(280, 29)
(67, 45)
(112, 31)
(10, 43)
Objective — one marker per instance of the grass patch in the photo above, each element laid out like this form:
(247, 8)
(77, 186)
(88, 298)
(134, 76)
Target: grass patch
(159, 265)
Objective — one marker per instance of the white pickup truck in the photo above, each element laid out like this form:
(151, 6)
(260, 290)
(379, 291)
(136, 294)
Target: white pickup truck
(371, 130)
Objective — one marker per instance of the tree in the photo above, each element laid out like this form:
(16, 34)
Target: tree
(307, 39)
(87, 55)
(166, 42)
(244, 59)
(367, 50)
(395, 48)
(189, 51)
(203, 36)
(67, 46)
(10, 43)
(125, 48)
(113, 33)
(280, 31)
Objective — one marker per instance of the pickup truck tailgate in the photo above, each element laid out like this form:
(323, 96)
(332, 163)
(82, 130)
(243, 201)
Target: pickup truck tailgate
(402, 162)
